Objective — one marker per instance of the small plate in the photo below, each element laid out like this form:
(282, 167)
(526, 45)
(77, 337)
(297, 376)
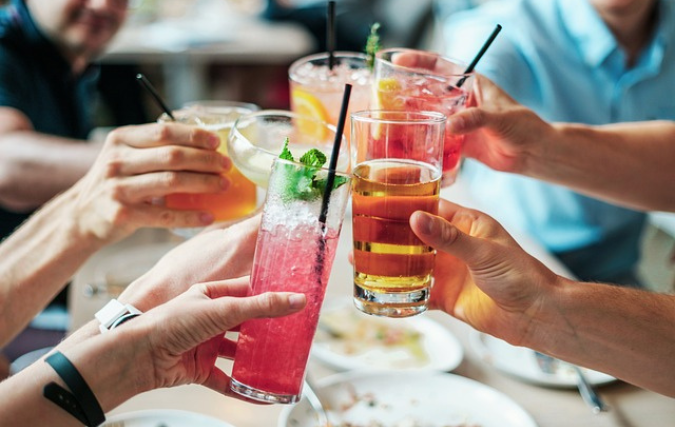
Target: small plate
(349, 340)
(164, 417)
(520, 362)
(428, 399)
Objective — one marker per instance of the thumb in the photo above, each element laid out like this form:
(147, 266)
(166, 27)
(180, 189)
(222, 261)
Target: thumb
(467, 121)
(443, 236)
(269, 304)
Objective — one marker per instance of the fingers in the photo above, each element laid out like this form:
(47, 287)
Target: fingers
(158, 216)
(227, 348)
(168, 157)
(139, 188)
(238, 287)
(468, 121)
(414, 60)
(159, 134)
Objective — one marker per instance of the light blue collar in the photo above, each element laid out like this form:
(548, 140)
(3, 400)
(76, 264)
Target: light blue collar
(594, 40)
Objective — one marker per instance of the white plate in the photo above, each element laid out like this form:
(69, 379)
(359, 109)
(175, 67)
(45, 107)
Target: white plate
(379, 343)
(521, 363)
(166, 418)
(410, 399)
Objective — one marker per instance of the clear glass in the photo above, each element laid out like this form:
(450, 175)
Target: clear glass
(240, 200)
(294, 253)
(316, 90)
(397, 168)
(257, 139)
(415, 80)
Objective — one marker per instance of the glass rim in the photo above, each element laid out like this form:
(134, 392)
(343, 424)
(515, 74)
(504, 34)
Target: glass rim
(218, 104)
(423, 117)
(292, 75)
(278, 159)
(379, 57)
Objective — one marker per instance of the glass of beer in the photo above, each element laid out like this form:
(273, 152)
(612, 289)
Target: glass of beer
(397, 164)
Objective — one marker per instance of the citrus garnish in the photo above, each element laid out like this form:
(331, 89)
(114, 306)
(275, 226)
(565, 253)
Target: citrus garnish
(388, 95)
(306, 104)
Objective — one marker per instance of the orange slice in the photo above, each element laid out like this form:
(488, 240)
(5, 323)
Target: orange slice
(306, 104)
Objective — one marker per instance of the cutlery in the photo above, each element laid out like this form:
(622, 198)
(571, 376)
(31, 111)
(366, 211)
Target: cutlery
(550, 365)
(309, 390)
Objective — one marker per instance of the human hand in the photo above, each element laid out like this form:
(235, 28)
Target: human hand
(482, 276)
(183, 338)
(500, 133)
(215, 254)
(140, 163)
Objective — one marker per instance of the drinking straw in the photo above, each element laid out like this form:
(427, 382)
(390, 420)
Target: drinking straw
(330, 35)
(480, 54)
(146, 84)
(334, 155)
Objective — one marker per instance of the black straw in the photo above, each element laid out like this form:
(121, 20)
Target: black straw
(332, 165)
(480, 54)
(146, 84)
(330, 35)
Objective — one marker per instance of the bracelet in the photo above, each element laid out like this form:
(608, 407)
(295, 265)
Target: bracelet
(82, 403)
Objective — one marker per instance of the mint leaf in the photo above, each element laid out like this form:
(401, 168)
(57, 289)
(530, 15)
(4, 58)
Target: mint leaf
(314, 158)
(373, 45)
(285, 152)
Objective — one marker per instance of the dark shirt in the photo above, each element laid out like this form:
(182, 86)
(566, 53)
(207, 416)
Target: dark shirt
(36, 80)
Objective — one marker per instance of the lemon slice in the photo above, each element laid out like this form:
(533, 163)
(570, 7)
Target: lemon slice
(388, 95)
(306, 104)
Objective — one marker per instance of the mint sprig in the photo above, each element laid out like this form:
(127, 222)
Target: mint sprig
(373, 45)
(309, 183)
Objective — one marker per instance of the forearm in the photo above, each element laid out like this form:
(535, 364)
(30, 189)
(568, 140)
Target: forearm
(109, 363)
(37, 260)
(624, 332)
(34, 167)
(629, 164)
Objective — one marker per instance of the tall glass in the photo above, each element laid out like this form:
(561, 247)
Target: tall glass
(295, 253)
(415, 80)
(258, 138)
(316, 90)
(240, 198)
(397, 159)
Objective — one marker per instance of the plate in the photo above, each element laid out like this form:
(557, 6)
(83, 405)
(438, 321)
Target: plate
(410, 399)
(347, 339)
(521, 363)
(164, 417)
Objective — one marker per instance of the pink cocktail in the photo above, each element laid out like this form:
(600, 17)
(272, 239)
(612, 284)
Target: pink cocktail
(294, 253)
(413, 80)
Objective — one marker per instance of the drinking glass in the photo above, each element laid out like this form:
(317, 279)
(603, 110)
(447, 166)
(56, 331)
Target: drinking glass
(316, 89)
(415, 80)
(258, 138)
(294, 253)
(397, 158)
(240, 199)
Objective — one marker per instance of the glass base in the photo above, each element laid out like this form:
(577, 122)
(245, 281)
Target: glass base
(399, 304)
(263, 396)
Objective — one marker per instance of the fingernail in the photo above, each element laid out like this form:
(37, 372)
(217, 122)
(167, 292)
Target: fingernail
(214, 141)
(226, 162)
(427, 224)
(224, 183)
(455, 124)
(206, 218)
(296, 300)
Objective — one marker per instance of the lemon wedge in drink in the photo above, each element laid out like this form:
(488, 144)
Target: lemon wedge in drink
(387, 96)
(306, 104)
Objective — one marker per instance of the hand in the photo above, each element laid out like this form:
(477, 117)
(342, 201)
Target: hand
(216, 254)
(184, 337)
(482, 276)
(140, 163)
(499, 132)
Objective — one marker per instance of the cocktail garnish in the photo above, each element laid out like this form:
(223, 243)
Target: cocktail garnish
(306, 183)
(373, 45)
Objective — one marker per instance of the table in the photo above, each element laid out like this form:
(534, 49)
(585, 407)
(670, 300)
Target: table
(631, 406)
(185, 46)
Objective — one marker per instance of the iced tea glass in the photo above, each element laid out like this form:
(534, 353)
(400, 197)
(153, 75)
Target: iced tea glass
(294, 253)
(240, 199)
(316, 89)
(415, 80)
(397, 166)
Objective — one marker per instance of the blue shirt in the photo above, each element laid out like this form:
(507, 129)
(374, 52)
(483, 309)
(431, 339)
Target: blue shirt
(36, 80)
(558, 58)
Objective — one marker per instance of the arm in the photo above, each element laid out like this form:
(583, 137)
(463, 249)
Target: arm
(108, 204)
(174, 344)
(485, 279)
(627, 163)
(34, 167)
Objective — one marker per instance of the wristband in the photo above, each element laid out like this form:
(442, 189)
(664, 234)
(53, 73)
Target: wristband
(82, 403)
(114, 313)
